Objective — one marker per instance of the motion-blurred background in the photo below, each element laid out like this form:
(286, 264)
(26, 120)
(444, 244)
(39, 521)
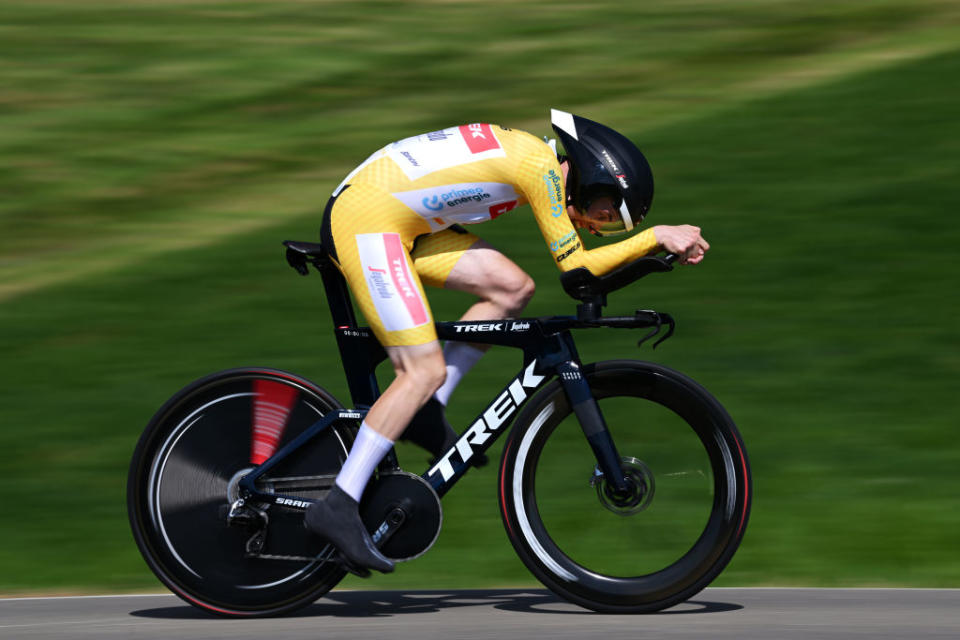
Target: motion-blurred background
(153, 155)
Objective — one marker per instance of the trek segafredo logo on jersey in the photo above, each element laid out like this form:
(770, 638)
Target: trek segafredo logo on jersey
(391, 286)
(492, 419)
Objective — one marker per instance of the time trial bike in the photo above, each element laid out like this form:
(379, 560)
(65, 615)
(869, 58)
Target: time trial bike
(623, 485)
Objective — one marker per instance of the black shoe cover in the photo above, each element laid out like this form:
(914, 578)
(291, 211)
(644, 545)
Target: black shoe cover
(337, 518)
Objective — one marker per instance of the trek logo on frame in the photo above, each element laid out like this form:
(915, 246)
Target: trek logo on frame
(494, 417)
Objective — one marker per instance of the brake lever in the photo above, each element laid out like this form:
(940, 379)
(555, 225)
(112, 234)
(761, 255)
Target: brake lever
(661, 319)
(671, 324)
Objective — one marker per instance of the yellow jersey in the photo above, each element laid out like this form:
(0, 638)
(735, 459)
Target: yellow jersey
(476, 172)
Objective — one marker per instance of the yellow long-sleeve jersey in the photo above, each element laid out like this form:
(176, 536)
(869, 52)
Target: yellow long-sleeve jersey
(388, 223)
(476, 172)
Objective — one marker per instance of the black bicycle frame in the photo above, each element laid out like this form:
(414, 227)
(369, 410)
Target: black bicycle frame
(548, 351)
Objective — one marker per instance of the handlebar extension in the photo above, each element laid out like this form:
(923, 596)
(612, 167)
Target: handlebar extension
(591, 290)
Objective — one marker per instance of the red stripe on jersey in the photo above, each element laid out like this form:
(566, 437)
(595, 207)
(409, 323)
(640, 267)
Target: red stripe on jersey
(479, 137)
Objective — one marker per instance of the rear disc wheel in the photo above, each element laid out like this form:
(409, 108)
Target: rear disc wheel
(184, 479)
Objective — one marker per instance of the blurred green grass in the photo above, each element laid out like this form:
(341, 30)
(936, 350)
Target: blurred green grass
(155, 154)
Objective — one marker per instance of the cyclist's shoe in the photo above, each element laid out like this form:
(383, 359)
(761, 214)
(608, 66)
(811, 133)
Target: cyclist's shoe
(430, 430)
(337, 518)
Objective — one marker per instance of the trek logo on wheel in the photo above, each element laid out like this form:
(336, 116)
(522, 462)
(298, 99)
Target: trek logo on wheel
(390, 283)
(490, 421)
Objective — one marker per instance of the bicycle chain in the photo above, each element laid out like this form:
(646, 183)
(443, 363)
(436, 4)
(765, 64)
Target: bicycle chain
(317, 558)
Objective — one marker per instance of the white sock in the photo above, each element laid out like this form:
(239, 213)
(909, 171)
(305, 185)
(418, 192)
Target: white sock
(460, 358)
(367, 452)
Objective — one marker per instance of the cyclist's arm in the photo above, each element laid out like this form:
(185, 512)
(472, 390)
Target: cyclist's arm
(546, 194)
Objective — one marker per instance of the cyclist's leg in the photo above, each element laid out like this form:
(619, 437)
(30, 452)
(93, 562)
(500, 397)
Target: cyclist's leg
(371, 234)
(451, 258)
(503, 288)
(456, 259)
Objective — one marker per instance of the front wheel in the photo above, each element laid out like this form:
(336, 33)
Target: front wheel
(651, 547)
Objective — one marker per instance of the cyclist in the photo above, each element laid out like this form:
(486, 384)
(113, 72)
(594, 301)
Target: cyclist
(393, 225)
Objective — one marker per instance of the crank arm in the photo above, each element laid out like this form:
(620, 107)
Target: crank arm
(389, 526)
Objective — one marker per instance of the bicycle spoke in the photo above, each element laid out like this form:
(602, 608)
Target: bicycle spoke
(674, 528)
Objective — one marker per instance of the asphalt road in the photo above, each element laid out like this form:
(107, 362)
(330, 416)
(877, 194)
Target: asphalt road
(507, 613)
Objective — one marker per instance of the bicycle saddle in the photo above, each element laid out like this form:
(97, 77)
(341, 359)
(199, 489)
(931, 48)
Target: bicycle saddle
(299, 253)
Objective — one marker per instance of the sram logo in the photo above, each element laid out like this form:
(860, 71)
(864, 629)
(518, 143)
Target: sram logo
(492, 419)
(300, 504)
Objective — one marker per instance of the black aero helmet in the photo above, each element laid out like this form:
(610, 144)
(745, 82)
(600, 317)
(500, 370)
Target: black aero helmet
(603, 162)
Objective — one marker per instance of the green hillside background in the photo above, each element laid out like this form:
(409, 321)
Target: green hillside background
(154, 155)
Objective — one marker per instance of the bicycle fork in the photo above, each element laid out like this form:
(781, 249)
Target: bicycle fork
(594, 427)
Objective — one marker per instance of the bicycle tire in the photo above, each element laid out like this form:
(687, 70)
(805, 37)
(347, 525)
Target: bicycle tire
(183, 478)
(698, 491)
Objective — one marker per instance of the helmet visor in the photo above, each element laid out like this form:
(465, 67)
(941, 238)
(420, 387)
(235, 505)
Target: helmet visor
(600, 205)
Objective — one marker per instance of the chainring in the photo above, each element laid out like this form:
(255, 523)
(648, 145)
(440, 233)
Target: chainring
(403, 514)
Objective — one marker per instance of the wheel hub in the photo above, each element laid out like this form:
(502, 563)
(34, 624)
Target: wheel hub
(639, 492)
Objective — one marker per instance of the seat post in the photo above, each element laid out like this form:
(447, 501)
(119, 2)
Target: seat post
(359, 354)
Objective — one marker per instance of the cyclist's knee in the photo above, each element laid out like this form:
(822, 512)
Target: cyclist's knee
(428, 376)
(526, 291)
(425, 372)
(515, 292)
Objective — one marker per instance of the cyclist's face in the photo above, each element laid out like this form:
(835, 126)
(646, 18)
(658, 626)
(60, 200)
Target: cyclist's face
(601, 210)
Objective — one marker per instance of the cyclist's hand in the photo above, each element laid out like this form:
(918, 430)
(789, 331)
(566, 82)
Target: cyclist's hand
(684, 240)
